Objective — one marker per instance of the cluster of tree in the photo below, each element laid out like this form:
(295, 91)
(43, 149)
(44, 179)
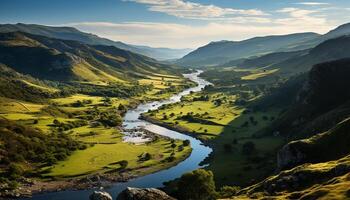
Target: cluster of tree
(198, 185)
(112, 90)
(81, 103)
(20, 144)
(201, 98)
(65, 126)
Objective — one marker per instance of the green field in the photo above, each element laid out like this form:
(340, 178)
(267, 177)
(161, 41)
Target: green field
(228, 125)
(75, 115)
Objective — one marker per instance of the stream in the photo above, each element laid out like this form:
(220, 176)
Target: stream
(132, 121)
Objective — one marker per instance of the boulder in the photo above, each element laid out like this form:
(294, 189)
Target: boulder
(99, 195)
(143, 194)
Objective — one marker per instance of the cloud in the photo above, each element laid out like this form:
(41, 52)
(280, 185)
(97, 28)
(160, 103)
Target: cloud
(302, 18)
(191, 10)
(189, 36)
(313, 3)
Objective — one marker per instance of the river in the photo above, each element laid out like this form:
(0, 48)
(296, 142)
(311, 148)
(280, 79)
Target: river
(131, 120)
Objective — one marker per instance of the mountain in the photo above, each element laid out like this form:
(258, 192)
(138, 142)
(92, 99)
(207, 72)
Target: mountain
(15, 85)
(323, 101)
(315, 163)
(262, 61)
(329, 50)
(67, 60)
(70, 33)
(337, 32)
(224, 51)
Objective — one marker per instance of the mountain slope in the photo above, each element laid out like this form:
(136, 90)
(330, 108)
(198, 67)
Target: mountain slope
(337, 32)
(224, 51)
(64, 60)
(69, 33)
(323, 101)
(329, 50)
(17, 86)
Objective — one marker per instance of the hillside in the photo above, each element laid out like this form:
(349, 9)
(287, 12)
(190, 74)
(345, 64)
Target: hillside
(337, 32)
(263, 61)
(66, 60)
(329, 50)
(224, 51)
(322, 102)
(70, 33)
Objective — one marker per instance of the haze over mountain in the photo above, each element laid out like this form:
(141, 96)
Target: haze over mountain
(223, 51)
(70, 33)
(219, 53)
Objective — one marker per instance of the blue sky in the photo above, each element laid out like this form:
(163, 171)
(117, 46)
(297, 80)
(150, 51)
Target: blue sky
(180, 23)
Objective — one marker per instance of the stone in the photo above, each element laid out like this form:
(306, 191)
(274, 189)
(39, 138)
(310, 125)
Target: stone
(143, 194)
(99, 195)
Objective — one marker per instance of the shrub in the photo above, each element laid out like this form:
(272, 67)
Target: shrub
(228, 148)
(186, 142)
(248, 148)
(228, 191)
(197, 185)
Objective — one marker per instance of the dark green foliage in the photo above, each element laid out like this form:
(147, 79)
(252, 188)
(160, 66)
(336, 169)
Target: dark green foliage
(196, 185)
(23, 144)
(186, 142)
(228, 148)
(228, 191)
(248, 148)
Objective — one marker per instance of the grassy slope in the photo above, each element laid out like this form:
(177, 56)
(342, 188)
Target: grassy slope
(112, 148)
(326, 180)
(225, 127)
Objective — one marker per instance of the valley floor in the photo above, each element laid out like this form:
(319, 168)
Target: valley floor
(94, 122)
(218, 117)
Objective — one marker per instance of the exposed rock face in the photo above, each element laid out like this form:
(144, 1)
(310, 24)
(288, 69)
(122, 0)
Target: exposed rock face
(98, 195)
(143, 194)
(289, 156)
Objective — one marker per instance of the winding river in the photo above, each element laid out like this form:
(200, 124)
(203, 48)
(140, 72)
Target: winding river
(131, 121)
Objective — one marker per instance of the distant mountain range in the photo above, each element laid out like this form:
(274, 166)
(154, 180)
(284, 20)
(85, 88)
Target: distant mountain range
(229, 52)
(224, 51)
(289, 63)
(70, 33)
(67, 60)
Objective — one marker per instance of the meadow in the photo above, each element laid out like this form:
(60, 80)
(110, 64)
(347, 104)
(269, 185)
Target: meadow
(225, 119)
(95, 121)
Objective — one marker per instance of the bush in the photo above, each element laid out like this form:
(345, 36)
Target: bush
(228, 148)
(228, 191)
(248, 148)
(197, 185)
(186, 142)
(123, 164)
(14, 171)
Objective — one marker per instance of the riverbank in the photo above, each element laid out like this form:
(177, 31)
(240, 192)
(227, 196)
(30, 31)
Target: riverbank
(98, 180)
(175, 127)
(147, 176)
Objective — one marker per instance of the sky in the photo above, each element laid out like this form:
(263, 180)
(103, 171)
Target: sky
(180, 23)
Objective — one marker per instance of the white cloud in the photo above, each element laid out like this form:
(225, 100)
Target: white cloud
(313, 3)
(302, 18)
(189, 36)
(191, 10)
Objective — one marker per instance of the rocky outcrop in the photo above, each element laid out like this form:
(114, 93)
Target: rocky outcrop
(289, 156)
(330, 145)
(99, 195)
(143, 194)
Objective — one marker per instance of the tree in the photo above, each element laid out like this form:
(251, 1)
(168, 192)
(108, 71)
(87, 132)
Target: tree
(186, 142)
(228, 148)
(248, 148)
(56, 122)
(122, 108)
(123, 164)
(197, 185)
